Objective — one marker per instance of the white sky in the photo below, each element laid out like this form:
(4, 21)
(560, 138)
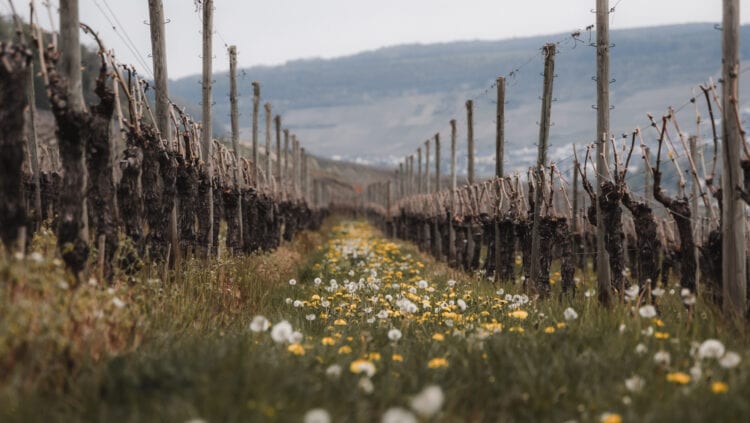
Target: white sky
(274, 31)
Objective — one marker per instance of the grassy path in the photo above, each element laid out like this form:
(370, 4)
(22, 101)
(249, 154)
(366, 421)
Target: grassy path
(372, 331)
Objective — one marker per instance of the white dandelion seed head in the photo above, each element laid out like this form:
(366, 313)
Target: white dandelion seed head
(292, 282)
(259, 324)
(622, 328)
(317, 415)
(647, 311)
(635, 383)
(461, 304)
(730, 360)
(641, 349)
(296, 337)
(632, 293)
(428, 402)
(118, 302)
(310, 317)
(317, 281)
(662, 358)
(280, 332)
(394, 334)
(589, 293)
(398, 415)
(366, 385)
(711, 348)
(288, 301)
(451, 283)
(333, 371)
(696, 373)
(297, 303)
(422, 284)
(570, 314)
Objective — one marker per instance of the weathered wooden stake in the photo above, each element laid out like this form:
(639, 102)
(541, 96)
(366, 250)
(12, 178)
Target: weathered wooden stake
(500, 128)
(419, 170)
(277, 122)
(206, 133)
(267, 169)
(603, 276)
(451, 229)
(70, 49)
(542, 286)
(470, 139)
(427, 166)
(256, 155)
(734, 270)
(437, 162)
(235, 122)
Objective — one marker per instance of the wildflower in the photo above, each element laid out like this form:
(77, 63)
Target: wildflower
(696, 372)
(657, 292)
(549, 329)
(719, 387)
(259, 324)
(366, 385)
(63, 285)
(589, 293)
(631, 293)
(292, 282)
(339, 322)
(394, 334)
(428, 402)
(280, 332)
(296, 349)
(345, 349)
(422, 284)
(118, 302)
(661, 335)
(711, 348)
(317, 415)
(328, 341)
(333, 371)
(610, 418)
(397, 358)
(362, 366)
(678, 377)
(310, 317)
(622, 328)
(439, 337)
(519, 314)
(461, 304)
(662, 358)
(374, 356)
(398, 415)
(295, 338)
(635, 383)
(297, 303)
(647, 311)
(730, 360)
(570, 314)
(436, 363)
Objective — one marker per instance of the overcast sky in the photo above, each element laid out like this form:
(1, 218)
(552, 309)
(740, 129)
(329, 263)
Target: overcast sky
(274, 31)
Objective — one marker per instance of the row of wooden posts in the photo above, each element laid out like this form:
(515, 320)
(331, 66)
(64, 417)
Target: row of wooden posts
(410, 182)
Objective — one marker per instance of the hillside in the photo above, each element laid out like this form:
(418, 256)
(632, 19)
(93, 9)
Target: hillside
(396, 97)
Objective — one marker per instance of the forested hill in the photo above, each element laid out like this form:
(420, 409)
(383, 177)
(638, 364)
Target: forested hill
(396, 97)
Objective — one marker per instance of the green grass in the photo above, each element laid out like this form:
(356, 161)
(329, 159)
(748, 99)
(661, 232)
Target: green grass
(194, 356)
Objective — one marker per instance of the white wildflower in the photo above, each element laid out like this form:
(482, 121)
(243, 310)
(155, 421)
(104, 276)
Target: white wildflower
(428, 402)
(398, 415)
(297, 303)
(570, 314)
(730, 360)
(317, 415)
(317, 281)
(333, 371)
(394, 334)
(662, 358)
(366, 385)
(422, 284)
(292, 282)
(632, 293)
(118, 302)
(635, 383)
(658, 292)
(382, 314)
(711, 348)
(310, 317)
(647, 311)
(696, 372)
(259, 324)
(280, 332)
(461, 304)
(641, 349)
(36, 257)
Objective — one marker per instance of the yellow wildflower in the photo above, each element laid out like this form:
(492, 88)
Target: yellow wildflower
(437, 363)
(719, 387)
(549, 329)
(340, 322)
(516, 329)
(362, 366)
(438, 337)
(374, 356)
(327, 341)
(296, 349)
(560, 325)
(611, 418)
(397, 357)
(519, 314)
(661, 335)
(679, 378)
(345, 350)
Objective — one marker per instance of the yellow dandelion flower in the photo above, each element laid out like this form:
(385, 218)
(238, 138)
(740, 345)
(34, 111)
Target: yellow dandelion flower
(437, 363)
(560, 325)
(397, 357)
(611, 418)
(679, 378)
(661, 335)
(374, 356)
(328, 341)
(362, 366)
(438, 337)
(719, 387)
(516, 329)
(549, 329)
(340, 322)
(345, 349)
(296, 349)
(519, 314)
(658, 322)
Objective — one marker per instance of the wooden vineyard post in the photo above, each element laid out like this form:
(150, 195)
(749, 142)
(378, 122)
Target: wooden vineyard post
(286, 154)
(159, 54)
(277, 122)
(539, 285)
(427, 167)
(70, 49)
(235, 123)
(734, 267)
(451, 229)
(603, 276)
(437, 162)
(500, 128)
(267, 167)
(649, 192)
(695, 212)
(470, 139)
(419, 170)
(206, 134)
(256, 110)
(33, 146)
